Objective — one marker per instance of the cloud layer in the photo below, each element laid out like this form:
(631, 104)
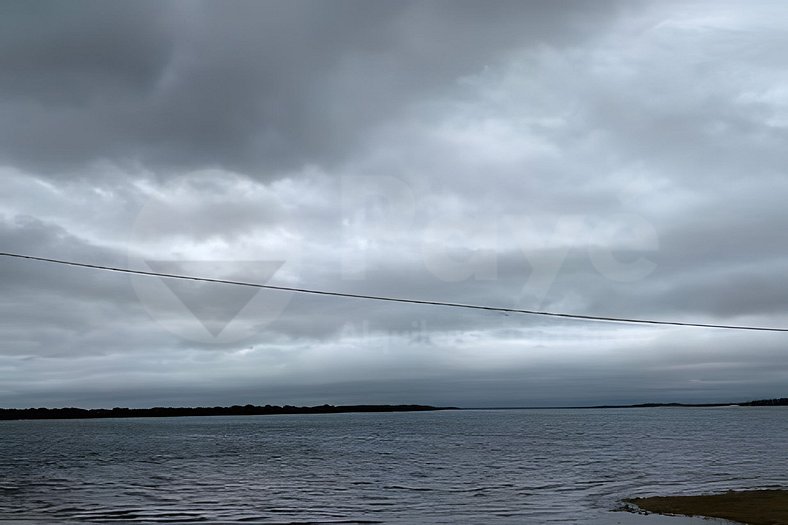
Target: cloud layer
(614, 159)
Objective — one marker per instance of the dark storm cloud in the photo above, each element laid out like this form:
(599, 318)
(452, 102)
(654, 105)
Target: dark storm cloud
(258, 87)
(54, 54)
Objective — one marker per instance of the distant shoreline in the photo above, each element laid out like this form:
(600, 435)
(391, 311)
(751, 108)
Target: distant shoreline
(15, 414)
(783, 401)
(12, 414)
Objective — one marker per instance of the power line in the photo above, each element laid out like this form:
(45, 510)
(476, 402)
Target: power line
(395, 299)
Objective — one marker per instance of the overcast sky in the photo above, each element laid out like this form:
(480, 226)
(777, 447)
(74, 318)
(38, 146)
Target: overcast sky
(600, 158)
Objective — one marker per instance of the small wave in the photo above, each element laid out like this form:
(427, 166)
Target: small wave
(403, 487)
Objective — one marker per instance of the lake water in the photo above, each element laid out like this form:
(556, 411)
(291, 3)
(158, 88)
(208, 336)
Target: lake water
(469, 466)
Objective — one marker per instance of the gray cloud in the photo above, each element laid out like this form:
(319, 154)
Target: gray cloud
(259, 87)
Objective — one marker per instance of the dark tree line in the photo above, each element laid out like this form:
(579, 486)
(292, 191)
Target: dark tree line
(780, 401)
(235, 410)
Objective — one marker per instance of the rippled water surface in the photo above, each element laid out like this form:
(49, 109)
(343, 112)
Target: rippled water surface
(479, 466)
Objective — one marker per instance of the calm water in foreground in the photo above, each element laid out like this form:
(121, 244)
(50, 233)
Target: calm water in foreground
(480, 466)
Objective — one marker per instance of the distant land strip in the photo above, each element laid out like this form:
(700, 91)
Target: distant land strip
(257, 410)
(782, 401)
(235, 410)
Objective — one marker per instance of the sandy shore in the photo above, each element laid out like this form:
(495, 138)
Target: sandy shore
(754, 507)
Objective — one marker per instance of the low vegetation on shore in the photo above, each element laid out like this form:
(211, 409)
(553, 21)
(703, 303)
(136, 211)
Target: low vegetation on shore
(753, 507)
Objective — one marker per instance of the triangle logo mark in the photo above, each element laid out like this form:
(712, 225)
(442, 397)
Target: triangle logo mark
(215, 305)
